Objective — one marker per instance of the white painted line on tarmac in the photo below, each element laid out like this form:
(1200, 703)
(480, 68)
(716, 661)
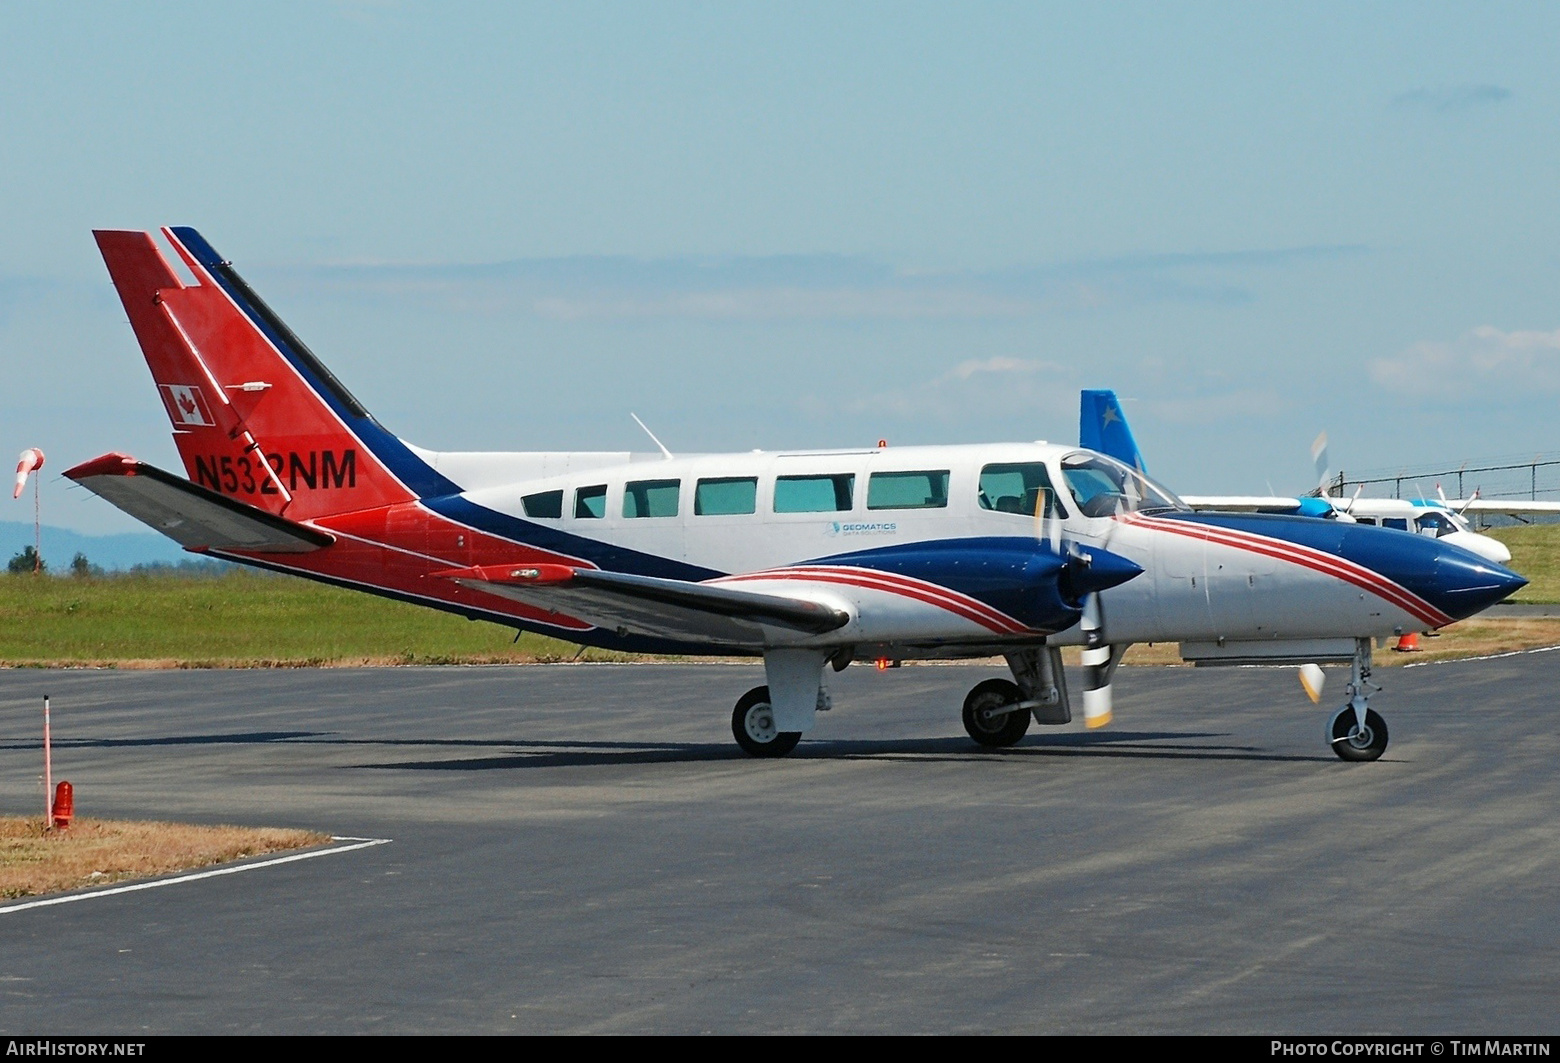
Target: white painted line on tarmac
(358, 843)
(1486, 657)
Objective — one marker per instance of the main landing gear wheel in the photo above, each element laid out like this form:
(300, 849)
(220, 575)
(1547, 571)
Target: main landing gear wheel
(753, 725)
(985, 718)
(1351, 743)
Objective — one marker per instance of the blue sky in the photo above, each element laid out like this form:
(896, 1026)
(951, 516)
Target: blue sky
(776, 225)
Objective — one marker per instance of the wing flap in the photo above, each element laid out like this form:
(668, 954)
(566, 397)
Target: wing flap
(651, 605)
(193, 516)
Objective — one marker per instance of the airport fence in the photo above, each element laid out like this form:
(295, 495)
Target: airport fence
(1537, 479)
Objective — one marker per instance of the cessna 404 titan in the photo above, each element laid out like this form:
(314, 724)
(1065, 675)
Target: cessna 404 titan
(811, 559)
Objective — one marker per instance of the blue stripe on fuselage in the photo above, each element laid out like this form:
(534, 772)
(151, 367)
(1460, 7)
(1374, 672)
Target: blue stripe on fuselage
(1455, 581)
(603, 555)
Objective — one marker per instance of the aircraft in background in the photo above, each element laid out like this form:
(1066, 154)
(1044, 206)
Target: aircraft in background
(809, 559)
(1103, 427)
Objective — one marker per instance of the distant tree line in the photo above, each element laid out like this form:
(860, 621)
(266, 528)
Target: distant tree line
(26, 562)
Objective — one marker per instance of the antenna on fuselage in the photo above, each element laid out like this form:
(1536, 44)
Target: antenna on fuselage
(651, 434)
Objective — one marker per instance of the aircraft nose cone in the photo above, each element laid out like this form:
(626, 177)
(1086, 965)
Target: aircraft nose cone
(1092, 569)
(1467, 583)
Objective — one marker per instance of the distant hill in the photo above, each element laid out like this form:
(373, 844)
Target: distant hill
(109, 552)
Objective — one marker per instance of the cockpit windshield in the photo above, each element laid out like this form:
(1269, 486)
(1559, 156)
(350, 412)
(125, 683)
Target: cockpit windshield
(1104, 487)
(1438, 522)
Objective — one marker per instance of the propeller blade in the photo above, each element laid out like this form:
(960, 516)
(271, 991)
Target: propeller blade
(1312, 679)
(1097, 666)
(1096, 687)
(1319, 460)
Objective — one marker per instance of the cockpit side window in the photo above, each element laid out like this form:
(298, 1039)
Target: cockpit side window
(1022, 488)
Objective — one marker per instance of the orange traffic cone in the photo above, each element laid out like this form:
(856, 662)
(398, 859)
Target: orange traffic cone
(1407, 643)
(64, 806)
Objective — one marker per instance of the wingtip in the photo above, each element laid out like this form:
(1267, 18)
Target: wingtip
(111, 464)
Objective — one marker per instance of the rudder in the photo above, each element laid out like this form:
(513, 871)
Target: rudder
(256, 416)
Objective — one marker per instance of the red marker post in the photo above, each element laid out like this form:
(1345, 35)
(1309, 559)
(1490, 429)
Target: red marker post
(48, 771)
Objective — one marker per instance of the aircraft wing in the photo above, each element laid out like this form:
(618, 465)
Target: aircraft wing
(1511, 507)
(1242, 503)
(195, 517)
(650, 605)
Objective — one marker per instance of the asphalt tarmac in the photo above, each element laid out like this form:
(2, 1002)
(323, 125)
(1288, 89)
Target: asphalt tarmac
(583, 849)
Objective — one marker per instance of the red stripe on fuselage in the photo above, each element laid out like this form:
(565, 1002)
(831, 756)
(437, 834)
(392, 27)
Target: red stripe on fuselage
(971, 609)
(1316, 560)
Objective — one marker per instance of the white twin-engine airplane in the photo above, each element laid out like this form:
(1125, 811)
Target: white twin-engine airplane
(809, 559)
(1102, 426)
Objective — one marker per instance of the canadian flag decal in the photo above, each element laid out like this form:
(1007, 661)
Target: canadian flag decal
(186, 405)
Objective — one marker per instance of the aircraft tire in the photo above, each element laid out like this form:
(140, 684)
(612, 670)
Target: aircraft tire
(996, 731)
(1349, 745)
(753, 726)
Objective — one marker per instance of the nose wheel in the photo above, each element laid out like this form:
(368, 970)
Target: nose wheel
(1351, 741)
(753, 726)
(1356, 732)
(992, 716)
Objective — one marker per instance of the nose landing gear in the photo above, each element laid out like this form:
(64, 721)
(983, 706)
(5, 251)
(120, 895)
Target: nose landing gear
(1356, 731)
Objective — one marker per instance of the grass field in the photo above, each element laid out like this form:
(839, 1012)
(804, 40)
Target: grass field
(1535, 553)
(97, 852)
(247, 619)
(241, 619)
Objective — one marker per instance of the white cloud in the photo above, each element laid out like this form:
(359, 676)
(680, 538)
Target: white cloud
(998, 364)
(1523, 361)
(1210, 409)
(999, 386)
(1446, 98)
(802, 287)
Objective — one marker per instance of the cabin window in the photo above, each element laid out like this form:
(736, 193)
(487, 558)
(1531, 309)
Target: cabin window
(1400, 523)
(1020, 488)
(721, 497)
(830, 493)
(908, 490)
(545, 504)
(591, 501)
(651, 498)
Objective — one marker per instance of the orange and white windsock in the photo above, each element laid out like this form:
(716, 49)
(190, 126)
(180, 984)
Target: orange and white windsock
(30, 461)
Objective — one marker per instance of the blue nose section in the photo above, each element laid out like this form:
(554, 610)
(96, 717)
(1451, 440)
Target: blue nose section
(1466, 583)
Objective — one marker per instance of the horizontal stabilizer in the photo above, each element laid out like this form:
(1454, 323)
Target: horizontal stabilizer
(651, 605)
(193, 516)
